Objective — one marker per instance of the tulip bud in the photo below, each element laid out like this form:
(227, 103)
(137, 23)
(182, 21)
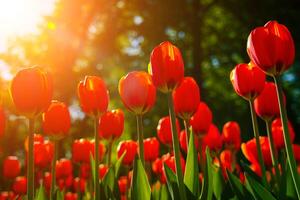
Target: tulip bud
(11, 167)
(131, 150)
(151, 149)
(111, 124)
(164, 132)
(123, 182)
(43, 154)
(102, 170)
(83, 148)
(201, 120)
(70, 196)
(64, 168)
(20, 185)
(212, 139)
(231, 135)
(79, 184)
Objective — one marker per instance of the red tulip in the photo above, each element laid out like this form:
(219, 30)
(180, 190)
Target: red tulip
(64, 168)
(85, 170)
(70, 196)
(157, 166)
(93, 95)
(271, 47)
(151, 149)
(248, 80)
(266, 104)
(186, 98)
(2, 122)
(250, 151)
(201, 120)
(277, 133)
(20, 185)
(4, 195)
(31, 91)
(166, 66)
(37, 138)
(231, 135)
(102, 149)
(102, 170)
(226, 160)
(137, 92)
(123, 182)
(82, 149)
(164, 132)
(11, 167)
(182, 141)
(56, 120)
(170, 162)
(212, 139)
(131, 150)
(43, 154)
(47, 180)
(79, 184)
(111, 124)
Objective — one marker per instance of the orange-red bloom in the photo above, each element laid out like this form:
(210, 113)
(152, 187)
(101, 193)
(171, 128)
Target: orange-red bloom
(102, 170)
(130, 147)
(182, 141)
(186, 98)
(71, 196)
(169, 160)
(151, 149)
(250, 151)
(212, 139)
(79, 184)
(266, 104)
(31, 91)
(43, 154)
(64, 168)
(166, 66)
(226, 160)
(20, 185)
(56, 120)
(271, 47)
(137, 92)
(11, 167)
(231, 135)
(277, 133)
(201, 120)
(2, 122)
(123, 182)
(83, 148)
(247, 80)
(164, 132)
(93, 95)
(111, 124)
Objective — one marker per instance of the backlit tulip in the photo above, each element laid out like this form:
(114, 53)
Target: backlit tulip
(182, 141)
(111, 124)
(37, 138)
(123, 182)
(231, 135)
(64, 168)
(151, 147)
(247, 80)
(2, 122)
(266, 104)
(157, 166)
(166, 66)
(82, 149)
(164, 132)
(271, 47)
(131, 148)
(170, 162)
(102, 170)
(43, 154)
(186, 98)
(201, 120)
(93, 95)
(31, 91)
(56, 120)
(79, 184)
(250, 151)
(212, 139)
(20, 185)
(11, 167)
(277, 133)
(137, 92)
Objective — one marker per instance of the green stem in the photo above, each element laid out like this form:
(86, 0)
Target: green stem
(139, 121)
(273, 152)
(96, 181)
(287, 139)
(258, 146)
(30, 161)
(187, 130)
(109, 151)
(53, 171)
(176, 148)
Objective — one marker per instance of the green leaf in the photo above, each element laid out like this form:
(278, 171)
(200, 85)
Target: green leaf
(59, 195)
(164, 194)
(41, 194)
(206, 190)
(218, 182)
(238, 188)
(172, 183)
(92, 166)
(109, 179)
(191, 176)
(259, 191)
(140, 185)
(118, 164)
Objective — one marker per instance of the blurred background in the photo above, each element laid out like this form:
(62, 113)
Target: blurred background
(74, 38)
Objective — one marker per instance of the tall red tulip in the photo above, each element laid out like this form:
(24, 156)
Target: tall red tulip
(164, 132)
(56, 120)
(93, 95)
(266, 104)
(247, 80)
(201, 120)
(186, 98)
(131, 148)
(11, 167)
(137, 92)
(20, 185)
(123, 184)
(231, 135)
(111, 124)
(2, 122)
(166, 66)
(271, 47)
(43, 154)
(151, 146)
(213, 139)
(64, 168)
(277, 133)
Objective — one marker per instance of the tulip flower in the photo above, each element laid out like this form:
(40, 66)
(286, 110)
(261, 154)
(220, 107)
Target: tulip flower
(183, 143)
(248, 80)
(64, 168)
(123, 184)
(271, 47)
(213, 139)
(79, 184)
(20, 185)
(231, 135)
(164, 132)
(130, 147)
(201, 120)
(170, 162)
(226, 160)
(70, 196)
(151, 146)
(85, 170)
(82, 149)
(2, 122)
(11, 167)
(43, 154)
(37, 138)
(277, 133)
(102, 170)
(31, 91)
(47, 181)
(157, 166)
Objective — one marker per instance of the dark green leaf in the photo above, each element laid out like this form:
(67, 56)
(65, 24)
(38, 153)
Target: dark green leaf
(218, 182)
(238, 188)
(172, 183)
(118, 164)
(206, 190)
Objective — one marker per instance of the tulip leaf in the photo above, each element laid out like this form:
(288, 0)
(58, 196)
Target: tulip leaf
(290, 188)
(172, 183)
(109, 179)
(92, 161)
(59, 195)
(207, 184)
(237, 187)
(218, 182)
(259, 191)
(41, 194)
(249, 171)
(118, 164)
(164, 194)
(140, 186)
(191, 176)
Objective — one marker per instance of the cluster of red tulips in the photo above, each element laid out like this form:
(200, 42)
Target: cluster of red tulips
(202, 162)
